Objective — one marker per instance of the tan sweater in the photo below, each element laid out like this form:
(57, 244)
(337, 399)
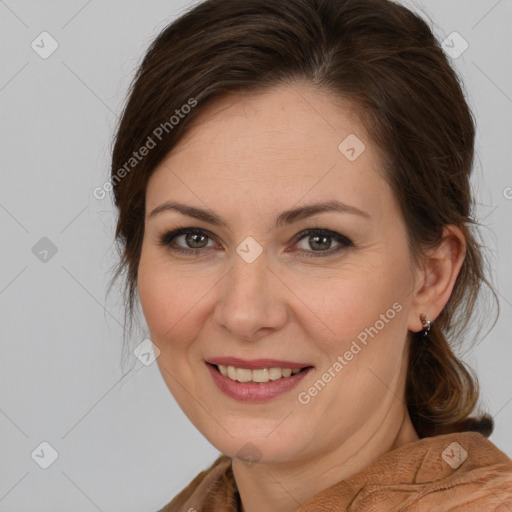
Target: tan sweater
(429, 475)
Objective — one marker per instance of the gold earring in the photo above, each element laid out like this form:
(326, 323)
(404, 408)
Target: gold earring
(425, 324)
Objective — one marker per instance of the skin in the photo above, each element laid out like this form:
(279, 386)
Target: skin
(248, 158)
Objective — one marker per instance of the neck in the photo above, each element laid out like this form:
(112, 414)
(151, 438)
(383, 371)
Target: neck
(283, 487)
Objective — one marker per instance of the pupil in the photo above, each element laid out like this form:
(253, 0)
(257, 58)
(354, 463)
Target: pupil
(324, 238)
(192, 237)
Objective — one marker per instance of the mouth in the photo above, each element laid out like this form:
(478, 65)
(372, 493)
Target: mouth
(263, 382)
(257, 375)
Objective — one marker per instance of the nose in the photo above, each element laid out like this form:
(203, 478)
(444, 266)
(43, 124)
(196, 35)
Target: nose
(251, 301)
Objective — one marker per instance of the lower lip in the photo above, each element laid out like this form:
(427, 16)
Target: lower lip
(255, 391)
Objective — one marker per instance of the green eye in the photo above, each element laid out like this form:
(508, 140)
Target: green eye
(320, 238)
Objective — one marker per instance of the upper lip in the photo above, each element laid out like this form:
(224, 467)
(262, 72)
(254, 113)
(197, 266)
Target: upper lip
(255, 364)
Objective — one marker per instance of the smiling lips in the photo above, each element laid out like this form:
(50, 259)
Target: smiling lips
(255, 380)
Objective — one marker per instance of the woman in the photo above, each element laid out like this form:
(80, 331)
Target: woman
(293, 187)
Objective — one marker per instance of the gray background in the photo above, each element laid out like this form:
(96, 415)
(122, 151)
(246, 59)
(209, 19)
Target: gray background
(121, 441)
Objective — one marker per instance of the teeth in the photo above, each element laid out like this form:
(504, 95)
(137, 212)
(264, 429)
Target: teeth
(275, 373)
(260, 375)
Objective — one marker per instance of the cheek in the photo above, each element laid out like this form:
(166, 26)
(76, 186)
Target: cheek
(160, 303)
(344, 307)
(172, 300)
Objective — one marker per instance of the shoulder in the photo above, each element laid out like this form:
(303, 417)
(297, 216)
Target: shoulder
(463, 454)
(452, 472)
(475, 474)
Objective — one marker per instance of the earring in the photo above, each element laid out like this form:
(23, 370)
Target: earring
(425, 324)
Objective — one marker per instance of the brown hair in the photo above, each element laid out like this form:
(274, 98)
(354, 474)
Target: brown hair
(385, 60)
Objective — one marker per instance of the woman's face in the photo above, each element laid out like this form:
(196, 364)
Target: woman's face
(331, 291)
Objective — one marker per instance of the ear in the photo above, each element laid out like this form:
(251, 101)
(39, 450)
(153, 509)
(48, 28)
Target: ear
(436, 279)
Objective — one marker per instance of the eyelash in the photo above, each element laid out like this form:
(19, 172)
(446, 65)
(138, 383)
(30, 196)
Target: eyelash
(169, 236)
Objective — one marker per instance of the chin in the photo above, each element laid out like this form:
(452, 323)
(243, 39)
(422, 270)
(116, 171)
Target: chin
(253, 445)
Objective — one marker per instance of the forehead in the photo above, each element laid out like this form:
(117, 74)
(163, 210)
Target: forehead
(273, 147)
(273, 123)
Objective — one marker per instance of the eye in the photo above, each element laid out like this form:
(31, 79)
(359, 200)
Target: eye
(193, 238)
(321, 241)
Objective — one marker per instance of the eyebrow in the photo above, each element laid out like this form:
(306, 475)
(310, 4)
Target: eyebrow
(286, 217)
